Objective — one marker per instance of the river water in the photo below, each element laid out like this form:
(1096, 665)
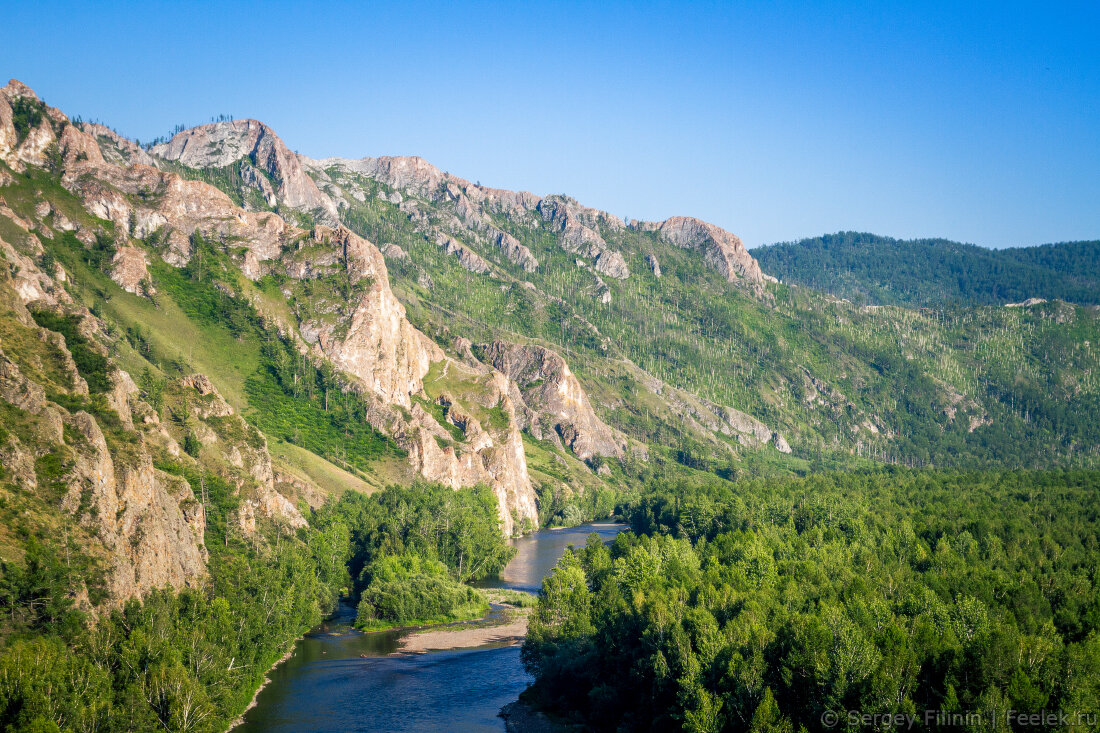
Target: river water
(340, 679)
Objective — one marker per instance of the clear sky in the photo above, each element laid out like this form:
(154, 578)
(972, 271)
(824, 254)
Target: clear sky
(775, 120)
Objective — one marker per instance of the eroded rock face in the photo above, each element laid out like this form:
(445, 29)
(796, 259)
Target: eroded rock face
(466, 256)
(488, 455)
(377, 344)
(116, 149)
(129, 269)
(150, 521)
(557, 405)
(654, 264)
(513, 250)
(243, 447)
(223, 143)
(721, 250)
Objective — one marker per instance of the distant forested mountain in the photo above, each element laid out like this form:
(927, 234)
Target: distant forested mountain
(930, 272)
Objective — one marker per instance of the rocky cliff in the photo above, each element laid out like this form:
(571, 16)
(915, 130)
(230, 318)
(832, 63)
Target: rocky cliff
(459, 420)
(555, 406)
(269, 165)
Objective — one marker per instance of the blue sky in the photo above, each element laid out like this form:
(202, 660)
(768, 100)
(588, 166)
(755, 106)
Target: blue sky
(976, 122)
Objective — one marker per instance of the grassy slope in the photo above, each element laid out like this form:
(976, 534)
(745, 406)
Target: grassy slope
(175, 342)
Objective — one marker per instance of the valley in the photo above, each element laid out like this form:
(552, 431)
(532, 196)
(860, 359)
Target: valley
(242, 390)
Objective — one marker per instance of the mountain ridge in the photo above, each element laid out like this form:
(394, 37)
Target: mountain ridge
(936, 272)
(440, 330)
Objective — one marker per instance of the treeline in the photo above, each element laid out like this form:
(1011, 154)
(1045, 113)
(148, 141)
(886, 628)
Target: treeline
(935, 272)
(768, 605)
(191, 660)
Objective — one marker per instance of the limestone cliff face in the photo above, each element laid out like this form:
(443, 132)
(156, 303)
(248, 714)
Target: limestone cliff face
(129, 270)
(223, 143)
(576, 225)
(390, 358)
(556, 406)
(147, 523)
(150, 521)
(376, 344)
(373, 341)
(721, 250)
(488, 453)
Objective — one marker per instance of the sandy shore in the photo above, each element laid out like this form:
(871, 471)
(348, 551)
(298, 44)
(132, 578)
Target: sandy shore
(513, 630)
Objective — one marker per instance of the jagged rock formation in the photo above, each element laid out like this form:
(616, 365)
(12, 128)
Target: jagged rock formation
(466, 256)
(578, 227)
(721, 250)
(223, 143)
(556, 406)
(129, 270)
(364, 333)
(654, 264)
(148, 523)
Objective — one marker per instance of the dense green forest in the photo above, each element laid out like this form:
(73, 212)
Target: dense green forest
(773, 605)
(867, 268)
(191, 660)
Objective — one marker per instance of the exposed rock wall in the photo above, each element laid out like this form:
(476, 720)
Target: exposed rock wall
(222, 143)
(557, 406)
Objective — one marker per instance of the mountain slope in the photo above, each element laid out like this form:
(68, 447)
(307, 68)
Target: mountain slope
(548, 350)
(935, 272)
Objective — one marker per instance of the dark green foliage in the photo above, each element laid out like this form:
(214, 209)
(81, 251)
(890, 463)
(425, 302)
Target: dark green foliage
(90, 363)
(191, 445)
(460, 529)
(26, 115)
(773, 602)
(935, 272)
(407, 589)
(34, 595)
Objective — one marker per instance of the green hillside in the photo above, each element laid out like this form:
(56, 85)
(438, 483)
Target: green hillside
(867, 268)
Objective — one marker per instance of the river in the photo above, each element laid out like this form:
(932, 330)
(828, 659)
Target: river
(340, 679)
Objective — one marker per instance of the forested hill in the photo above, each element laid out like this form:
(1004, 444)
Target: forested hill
(867, 268)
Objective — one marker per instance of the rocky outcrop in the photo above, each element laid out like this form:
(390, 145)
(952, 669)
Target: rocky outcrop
(394, 252)
(129, 270)
(491, 455)
(241, 447)
(116, 149)
(576, 225)
(557, 407)
(376, 344)
(466, 256)
(516, 253)
(223, 143)
(149, 520)
(612, 264)
(654, 264)
(721, 250)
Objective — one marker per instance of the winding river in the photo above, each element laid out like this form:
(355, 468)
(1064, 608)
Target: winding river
(340, 679)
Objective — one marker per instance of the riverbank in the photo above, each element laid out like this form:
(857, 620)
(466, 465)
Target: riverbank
(511, 630)
(456, 676)
(519, 717)
(266, 681)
